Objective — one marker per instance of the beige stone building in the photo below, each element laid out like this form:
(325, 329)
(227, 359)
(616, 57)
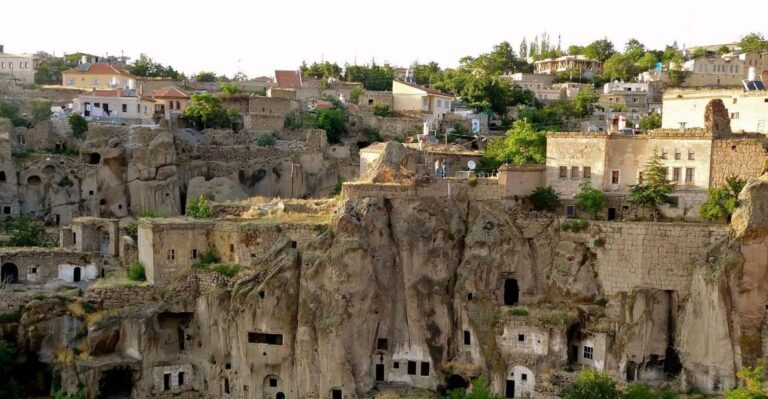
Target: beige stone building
(412, 98)
(98, 76)
(16, 69)
(118, 104)
(551, 66)
(684, 108)
(170, 102)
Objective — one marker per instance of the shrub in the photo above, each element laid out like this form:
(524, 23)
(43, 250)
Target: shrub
(602, 302)
(227, 270)
(41, 111)
(26, 232)
(574, 226)
(372, 134)
(132, 229)
(650, 122)
(334, 122)
(337, 189)
(78, 124)
(11, 317)
(137, 272)
(545, 199)
(590, 199)
(354, 95)
(382, 110)
(200, 209)
(472, 182)
(23, 154)
(599, 243)
(265, 140)
(518, 312)
(230, 89)
(293, 121)
(206, 259)
(591, 384)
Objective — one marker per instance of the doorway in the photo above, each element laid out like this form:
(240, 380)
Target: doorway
(379, 372)
(9, 274)
(611, 214)
(76, 275)
(509, 392)
(104, 244)
(511, 292)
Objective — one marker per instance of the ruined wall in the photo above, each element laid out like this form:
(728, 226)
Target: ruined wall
(263, 122)
(648, 255)
(392, 124)
(485, 189)
(743, 157)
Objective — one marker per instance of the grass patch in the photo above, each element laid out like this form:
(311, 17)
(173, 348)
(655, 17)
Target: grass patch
(574, 226)
(226, 270)
(599, 243)
(518, 312)
(118, 282)
(137, 272)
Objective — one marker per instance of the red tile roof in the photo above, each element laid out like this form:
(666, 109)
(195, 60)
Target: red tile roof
(171, 92)
(288, 79)
(105, 93)
(103, 69)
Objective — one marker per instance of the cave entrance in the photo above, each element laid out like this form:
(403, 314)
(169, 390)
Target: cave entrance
(379, 372)
(455, 381)
(36, 377)
(77, 275)
(336, 394)
(509, 391)
(9, 274)
(611, 214)
(511, 292)
(116, 384)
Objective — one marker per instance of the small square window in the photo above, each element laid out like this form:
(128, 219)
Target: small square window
(6, 210)
(563, 172)
(228, 366)
(570, 211)
(273, 382)
(691, 156)
(382, 344)
(396, 365)
(520, 337)
(524, 377)
(411, 368)
(588, 352)
(587, 173)
(678, 156)
(424, 369)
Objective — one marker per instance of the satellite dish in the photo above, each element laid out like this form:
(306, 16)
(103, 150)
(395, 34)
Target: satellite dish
(471, 165)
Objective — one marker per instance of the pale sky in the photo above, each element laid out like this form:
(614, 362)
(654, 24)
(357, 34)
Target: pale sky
(257, 37)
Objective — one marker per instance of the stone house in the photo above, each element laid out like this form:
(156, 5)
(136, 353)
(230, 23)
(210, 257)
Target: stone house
(369, 99)
(89, 234)
(431, 104)
(98, 76)
(9, 191)
(170, 102)
(124, 105)
(32, 265)
(747, 110)
(16, 69)
(551, 66)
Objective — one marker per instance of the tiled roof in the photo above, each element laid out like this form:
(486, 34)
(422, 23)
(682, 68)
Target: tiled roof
(103, 69)
(170, 92)
(288, 79)
(105, 93)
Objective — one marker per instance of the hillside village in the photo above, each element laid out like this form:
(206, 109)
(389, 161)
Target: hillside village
(529, 221)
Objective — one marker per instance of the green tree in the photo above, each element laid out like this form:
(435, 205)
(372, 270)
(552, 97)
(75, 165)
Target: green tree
(382, 110)
(600, 50)
(334, 122)
(145, 66)
(646, 62)
(545, 199)
(591, 384)
(634, 50)
(205, 76)
(723, 50)
(575, 50)
(27, 232)
(754, 41)
(373, 77)
(205, 111)
(427, 73)
(230, 89)
(49, 69)
(722, 201)
(266, 140)
(620, 67)
(322, 70)
(699, 52)
(584, 103)
(590, 199)
(78, 124)
(650, 122)
(677, 75)
(521, 145)
(200, 208)
(41, 110)
(654, 190)
(354, 95)
(754, 384)
(10, 110)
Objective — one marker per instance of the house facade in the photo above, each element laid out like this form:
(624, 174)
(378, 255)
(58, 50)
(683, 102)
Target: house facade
(684, 109)
(552, 66)
(97, 76)
(411, 98)
(170, 102)
(125, 105)
(16, 69)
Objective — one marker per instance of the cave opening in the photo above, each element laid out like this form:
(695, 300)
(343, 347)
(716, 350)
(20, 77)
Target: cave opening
(455, 381)
(511, 292)
(116, 383)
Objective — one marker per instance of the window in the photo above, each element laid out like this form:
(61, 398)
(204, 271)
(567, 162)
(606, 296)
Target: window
(640, 178)
(563, 172)
(587, 173)
(734, 100)
(676, 174)
(674, 202)
(273, 382)
(396, 365)
(524, 377)
(689, 175)
(634, 100)
(467, 338)
(2, 176)
(691, 156)
(125, 108)
(734, 115)
(70, 81)
(425, 369)
(411, 368)
(370, 101)
(138, 108)
(382, 344)
(574, 172)
(6, 210)
(570, 211)
(447, 104)
(263, 338)
(95, 82)
(226, 385)
(588, 352)
(439, 103)
(520, 337)
(232, 248)
(172, 254)
(678, 155)
(194, 254)
(181, 378)
(167, 382)
(615, 177)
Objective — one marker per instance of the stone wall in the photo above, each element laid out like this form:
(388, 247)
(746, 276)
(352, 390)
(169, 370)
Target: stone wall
(121, 297)
(370, 99)
(392, 124)
(263, 122)
(744, 157)
(485, 189)
(647, 255)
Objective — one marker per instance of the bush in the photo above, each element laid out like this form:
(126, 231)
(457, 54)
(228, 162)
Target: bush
(518, 312)
(372, 134)
(132, 229)
(337, 189)
(650, 122)
(382, 110)
(599, 243)
(574, 226)
(293, 121)
(137, 272)
(227, 270)
(200, 209)
(26, 232)
(602, 302)
(230, 89)
(545, 199)
(206, 259)
(334, 122)
(591, 384)
(265, 140)
(590, 199)
(354, 95)
(41, 111)
(78, 124)
(23, 154)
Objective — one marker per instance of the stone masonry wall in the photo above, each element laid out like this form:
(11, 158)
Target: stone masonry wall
(739, 157)
(486, 189)
(120, 297)
(648, 255)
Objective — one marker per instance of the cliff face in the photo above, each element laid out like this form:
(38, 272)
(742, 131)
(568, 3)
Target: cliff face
(431, 292)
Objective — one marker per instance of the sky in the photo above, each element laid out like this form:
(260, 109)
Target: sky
(257, 37)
